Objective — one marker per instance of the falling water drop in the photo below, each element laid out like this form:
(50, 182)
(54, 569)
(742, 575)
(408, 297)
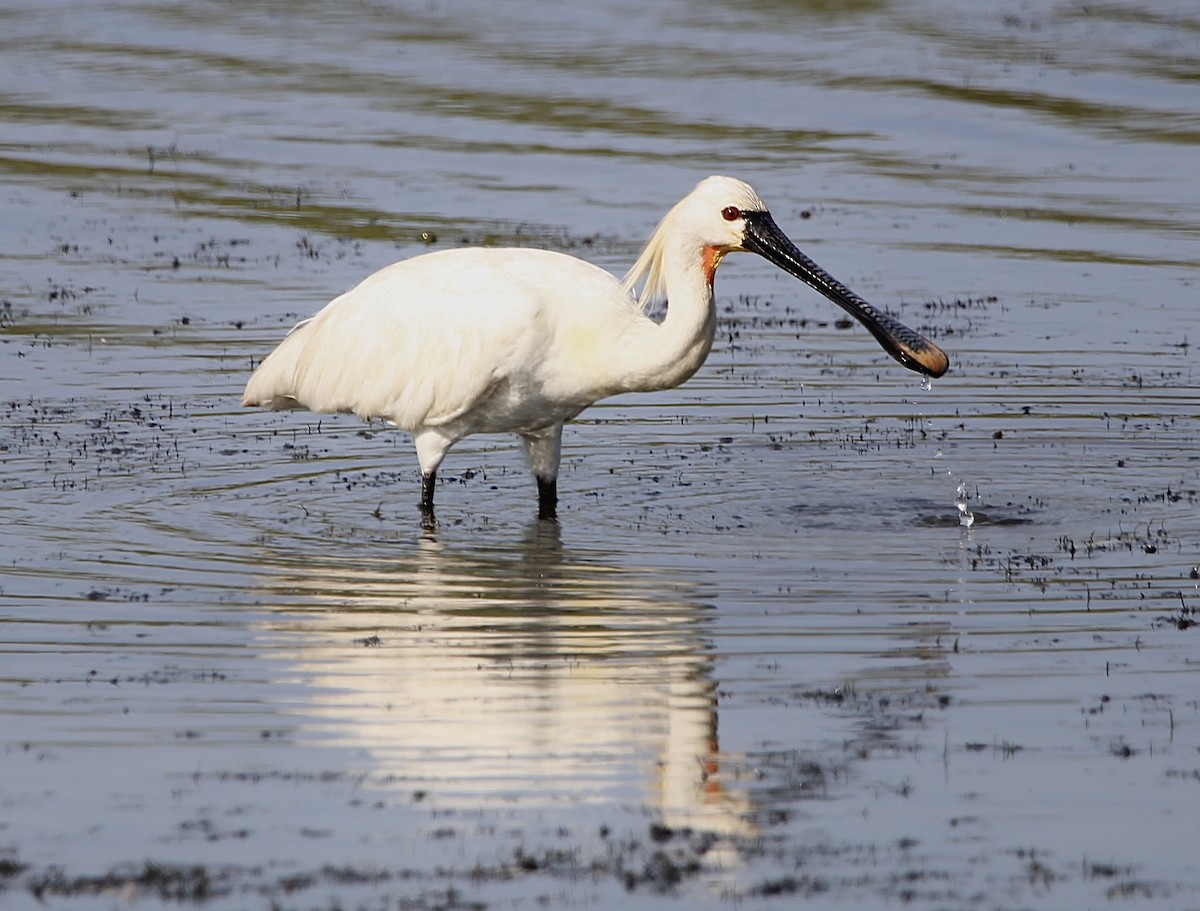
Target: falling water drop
(962, 500)
(926, 383)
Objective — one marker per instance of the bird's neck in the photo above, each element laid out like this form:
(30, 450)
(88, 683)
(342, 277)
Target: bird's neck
(669, 352)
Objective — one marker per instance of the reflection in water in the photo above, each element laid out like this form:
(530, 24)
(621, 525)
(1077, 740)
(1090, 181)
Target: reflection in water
(517, 673)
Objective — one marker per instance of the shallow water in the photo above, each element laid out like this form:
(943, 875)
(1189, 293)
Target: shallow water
(761, 659)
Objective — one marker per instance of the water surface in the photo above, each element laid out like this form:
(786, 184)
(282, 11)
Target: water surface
(760, 658)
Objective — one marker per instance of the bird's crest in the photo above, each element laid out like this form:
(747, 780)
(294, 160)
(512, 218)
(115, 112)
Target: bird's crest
(649, 271)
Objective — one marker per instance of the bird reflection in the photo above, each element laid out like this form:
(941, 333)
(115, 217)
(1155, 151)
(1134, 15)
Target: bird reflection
(514, 670)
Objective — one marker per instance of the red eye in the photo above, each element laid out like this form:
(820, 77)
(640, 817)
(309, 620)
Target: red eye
(731, 213)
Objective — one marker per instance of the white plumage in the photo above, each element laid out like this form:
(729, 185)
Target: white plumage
(488, 340)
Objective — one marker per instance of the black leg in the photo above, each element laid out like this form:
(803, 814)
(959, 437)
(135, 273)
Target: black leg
(547, 498)
(428, 485)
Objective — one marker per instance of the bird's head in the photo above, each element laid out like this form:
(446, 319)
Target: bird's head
(727, 216)
(718, 212)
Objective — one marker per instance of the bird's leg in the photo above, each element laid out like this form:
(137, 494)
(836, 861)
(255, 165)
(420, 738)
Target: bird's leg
(547, 497)
(544, 448)
(428, 485)
(431, 449)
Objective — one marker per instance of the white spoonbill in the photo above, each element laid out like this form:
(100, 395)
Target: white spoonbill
(498, 340)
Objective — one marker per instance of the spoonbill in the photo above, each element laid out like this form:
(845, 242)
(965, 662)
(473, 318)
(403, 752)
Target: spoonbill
(504, 340)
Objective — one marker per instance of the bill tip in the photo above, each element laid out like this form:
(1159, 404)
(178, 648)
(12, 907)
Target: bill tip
(932, 361)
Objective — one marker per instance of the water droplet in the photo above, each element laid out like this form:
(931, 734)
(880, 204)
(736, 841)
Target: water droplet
(926, 383)
(962, 499)
(937, 454)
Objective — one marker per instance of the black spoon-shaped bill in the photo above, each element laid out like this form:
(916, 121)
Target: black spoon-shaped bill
(907, 346)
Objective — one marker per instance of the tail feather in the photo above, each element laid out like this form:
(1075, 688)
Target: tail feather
(273, 384)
